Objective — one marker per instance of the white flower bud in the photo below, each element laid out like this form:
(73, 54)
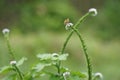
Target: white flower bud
(98, 75)
(65, 75)
(4, 31)
(55, 55)
(93, 11)
(68, 25)
(13, 62)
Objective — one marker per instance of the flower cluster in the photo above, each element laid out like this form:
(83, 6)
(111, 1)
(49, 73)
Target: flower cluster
(68, 24)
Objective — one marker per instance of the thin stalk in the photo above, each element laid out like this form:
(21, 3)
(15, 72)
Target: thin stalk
(75, 26)
(81, 20)
(19, 73)
(86, 54)
(63, 49)
(69, 36)
(6, 35)
(9, 47)
(65, 43)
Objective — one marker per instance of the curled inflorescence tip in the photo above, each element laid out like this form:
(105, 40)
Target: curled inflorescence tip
(98, 75)
(13, 62)
(4, 31)
(93, 11)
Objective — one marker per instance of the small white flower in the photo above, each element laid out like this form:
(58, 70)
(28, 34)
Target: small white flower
(13, 62)
(65, 75)
(68, 25)
(93, 11)
(5, 31)
(55, 55)
(98, 75)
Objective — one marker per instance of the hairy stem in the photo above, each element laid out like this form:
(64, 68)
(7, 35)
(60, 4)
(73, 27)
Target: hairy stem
(67, 39)
(63, 49)
(69, 36)
(81, 20)
(86, 54)
(9, 47)
(19, 73)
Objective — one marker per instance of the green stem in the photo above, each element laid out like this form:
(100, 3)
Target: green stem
(63, 49)
(69, 36)
(81, 20)
(12, 55)
(9, 47)
(19, 73)
(75, 26)
(65, 43)
(86, 54)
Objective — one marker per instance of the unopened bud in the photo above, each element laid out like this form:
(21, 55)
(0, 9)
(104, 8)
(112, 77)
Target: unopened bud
(93, 11)
(13, 62)
(4, 31)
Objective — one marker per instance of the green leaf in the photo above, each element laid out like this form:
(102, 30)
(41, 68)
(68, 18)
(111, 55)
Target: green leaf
(40, 66)
(73, 78)
(63, 69)
(21, 61)
(11, 77)
(79, 74)
(45, 56)
(54, 77)
(63, 57)
(6, 69)
(53, 57)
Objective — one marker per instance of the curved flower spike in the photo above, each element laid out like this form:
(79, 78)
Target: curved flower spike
(4, 31)
(93, 11)
(98, 76)
(13, 62)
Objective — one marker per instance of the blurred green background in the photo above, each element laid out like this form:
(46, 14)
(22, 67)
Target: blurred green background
(37, 27)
